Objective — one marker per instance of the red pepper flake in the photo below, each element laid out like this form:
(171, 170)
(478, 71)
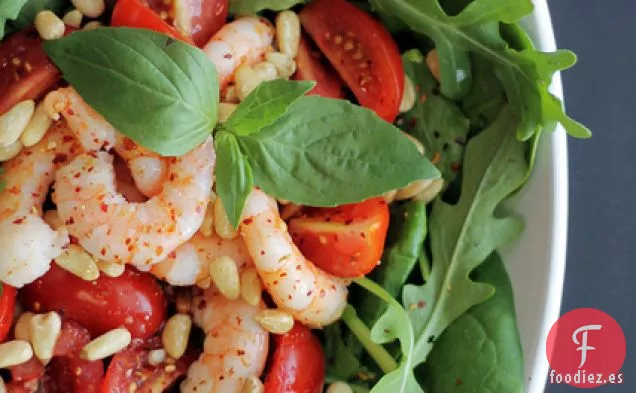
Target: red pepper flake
(248, 221)
(60, 159)
(159, 250)
(349, 221)
(67, 138)
(227, 56)
(421, 304)
(70, 112)
(198, 209)
(78, 189)
(70, 221)
(104, 207)
(262, 252)
(103, 251)
(240, 352)
(456, 167)
(172, 255)
(19, 221)
(458, 381)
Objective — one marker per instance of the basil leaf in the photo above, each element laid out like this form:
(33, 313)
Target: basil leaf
(233, 175)
(31, 9)
(9, 9)
(326, 152)
(248, 7)
(269, 101)
(1, 181)
(160, 92)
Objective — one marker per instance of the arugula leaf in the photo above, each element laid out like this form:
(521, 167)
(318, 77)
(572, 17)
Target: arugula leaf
(342, 364)
(249, 7)
(171, 88)
(525, 74)
(482, 347)
(326, 152)
(31, 9)
(266, 104)
(9, 9)
(233, 175)
(1, 181)
(465, 234)
(486, 96)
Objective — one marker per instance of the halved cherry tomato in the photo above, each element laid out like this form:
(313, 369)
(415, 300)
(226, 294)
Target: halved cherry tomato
(298, 363)
(134, 13)
(199, 19)
(361, 50)
(132, 366)
(7, 307)
(134, 300)
(346, 241)
(25, 70)
(314, 67)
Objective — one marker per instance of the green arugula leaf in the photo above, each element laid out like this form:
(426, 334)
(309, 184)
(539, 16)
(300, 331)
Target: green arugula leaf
(525, 74)
(171, 88)
(268, 102)
(32, 7)
(1, 181)
(9, 9)
(250, 7)
(342, 364)
(486, 96)
(465, 234)
(482, 347)
(233, 174)
(325, 152)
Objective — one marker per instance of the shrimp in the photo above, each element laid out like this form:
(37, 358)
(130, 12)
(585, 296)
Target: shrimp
(311, 295)
(235, 347)
(189, 264)
(148, 169)
(116, 230)
(243, 41)
(28, 244)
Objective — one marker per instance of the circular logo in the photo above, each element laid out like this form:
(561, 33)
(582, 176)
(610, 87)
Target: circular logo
(586, 348)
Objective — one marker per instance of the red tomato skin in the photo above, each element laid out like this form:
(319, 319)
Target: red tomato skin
(298, 363)
(346, 241)
(7, 308)
(134, 300)
(134, 13)
(372, 68)
(312, 66)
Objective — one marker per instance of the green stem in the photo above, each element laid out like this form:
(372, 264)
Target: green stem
(379, 354)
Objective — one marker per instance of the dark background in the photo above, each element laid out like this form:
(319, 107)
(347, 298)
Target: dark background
(600, 92)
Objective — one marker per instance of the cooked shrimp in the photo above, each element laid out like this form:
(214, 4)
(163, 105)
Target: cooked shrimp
(28, 244)
(117, 230)
(148, 169)
(244, 41)
(235, 345)
(312, 296)
(190, 263)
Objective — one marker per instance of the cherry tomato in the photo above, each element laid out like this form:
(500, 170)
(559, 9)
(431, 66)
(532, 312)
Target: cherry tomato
(199, 19)
(298, 363)
(361, 50)
(7, 307)
(132, 366)
(313, 66)
(25, 70)
(346, 241)
(134, 300)
(134, 13)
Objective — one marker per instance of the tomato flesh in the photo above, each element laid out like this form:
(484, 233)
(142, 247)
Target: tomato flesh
(346, 241)
(313, 66)
(362, 51)
(7, 308)
(298, 363)
(133, 300)
(134, 13)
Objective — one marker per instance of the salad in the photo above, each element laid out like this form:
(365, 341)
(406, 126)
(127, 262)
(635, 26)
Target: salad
(279, 196)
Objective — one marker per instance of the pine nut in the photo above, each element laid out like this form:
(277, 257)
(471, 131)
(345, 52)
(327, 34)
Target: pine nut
(251, 288)
(77, 261)
(111, 269)
(339, 387)
(266, 71)
(408, 97)
(14, 121)
(289, 210)
(246, 80)
(288, 33)
(73, 18)
(7, 153)
(90, 8)
(156, 357)
(92, 25)
(225, 111)
(44, 332)
(3, 387)
(49, 26)
(224, 274)
(275, 321)
(253, 385)
(412, 189)
(207, 226)
(222, 224)
(205, 283)
(285, 65)
(389, 196)
(106, 345)
(37, 127)
(176, 334)
(230, 95)
(15, 352)
(22, 329)
(183, 301)
(430, 192)
(432, 61)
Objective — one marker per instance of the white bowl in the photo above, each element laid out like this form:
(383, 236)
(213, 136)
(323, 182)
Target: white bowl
(537, 262)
